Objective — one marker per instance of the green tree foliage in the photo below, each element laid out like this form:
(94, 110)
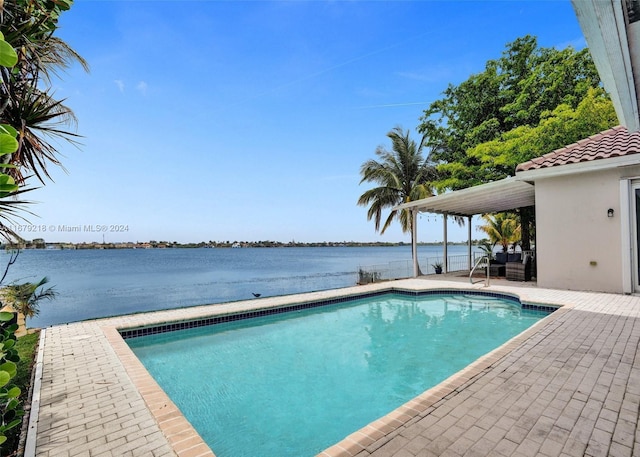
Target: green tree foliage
(11, 411)
(515, 94)
(8, 55)
(497, 159)
(10, 206)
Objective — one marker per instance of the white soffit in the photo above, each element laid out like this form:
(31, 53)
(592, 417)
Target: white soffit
(504, 195)
(604, 28)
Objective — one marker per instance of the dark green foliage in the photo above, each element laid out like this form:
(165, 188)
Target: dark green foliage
(514, 95)
(26, 347)
(11, 411)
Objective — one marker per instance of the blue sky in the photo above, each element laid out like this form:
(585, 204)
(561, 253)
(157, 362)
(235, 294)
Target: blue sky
(249, 120)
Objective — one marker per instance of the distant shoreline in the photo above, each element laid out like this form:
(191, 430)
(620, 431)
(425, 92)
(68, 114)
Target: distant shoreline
(41, 244)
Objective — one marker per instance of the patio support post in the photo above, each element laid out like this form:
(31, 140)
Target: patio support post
(469, 242)
(414, 241)
(446, 257)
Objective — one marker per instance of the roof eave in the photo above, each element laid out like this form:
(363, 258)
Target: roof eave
(577, 168)
(605, 29)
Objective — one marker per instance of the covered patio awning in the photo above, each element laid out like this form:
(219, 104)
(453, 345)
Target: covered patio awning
(504, 195)
(493, 197)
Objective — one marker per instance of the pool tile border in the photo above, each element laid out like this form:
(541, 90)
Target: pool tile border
(133, 332)
(186, 441)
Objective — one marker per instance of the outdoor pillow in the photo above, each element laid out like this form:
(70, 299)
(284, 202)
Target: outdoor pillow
(514, 257)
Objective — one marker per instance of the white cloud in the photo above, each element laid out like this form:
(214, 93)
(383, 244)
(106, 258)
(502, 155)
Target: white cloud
(120, 84)
(142, 87)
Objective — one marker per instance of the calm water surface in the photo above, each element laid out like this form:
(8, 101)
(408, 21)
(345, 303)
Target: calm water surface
(99, 283)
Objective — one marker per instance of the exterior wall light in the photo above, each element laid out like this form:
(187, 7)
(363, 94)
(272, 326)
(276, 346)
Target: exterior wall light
(610, 212)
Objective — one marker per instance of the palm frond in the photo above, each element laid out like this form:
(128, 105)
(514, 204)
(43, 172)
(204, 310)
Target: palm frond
(402, 175)
(38, 117)
(26, 297)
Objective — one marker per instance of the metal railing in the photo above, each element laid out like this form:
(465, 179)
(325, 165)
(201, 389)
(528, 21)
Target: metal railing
(484, 262)
(404, 268)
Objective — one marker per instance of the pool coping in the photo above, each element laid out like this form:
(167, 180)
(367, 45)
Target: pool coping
(186, 441)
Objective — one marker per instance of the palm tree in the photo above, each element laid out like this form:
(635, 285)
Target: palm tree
(27, 102)
(25, 298)
(501, 228)
(486, 247)
(402, 175)
(38, 117)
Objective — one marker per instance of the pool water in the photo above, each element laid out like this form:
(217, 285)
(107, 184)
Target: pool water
(293, 384)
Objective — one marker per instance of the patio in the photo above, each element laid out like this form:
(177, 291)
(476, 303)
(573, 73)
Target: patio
(569, 386)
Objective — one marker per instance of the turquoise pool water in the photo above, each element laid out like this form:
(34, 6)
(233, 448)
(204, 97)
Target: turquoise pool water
(293, 384)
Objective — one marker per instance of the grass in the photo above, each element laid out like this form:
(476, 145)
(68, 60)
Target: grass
(26, 347)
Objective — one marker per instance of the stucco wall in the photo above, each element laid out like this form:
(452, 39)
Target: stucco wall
(578, 247)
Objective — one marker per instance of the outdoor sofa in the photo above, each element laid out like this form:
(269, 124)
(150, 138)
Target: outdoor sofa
(497, 267)
(520, 270)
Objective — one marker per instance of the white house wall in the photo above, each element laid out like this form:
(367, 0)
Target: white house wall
(577, 246)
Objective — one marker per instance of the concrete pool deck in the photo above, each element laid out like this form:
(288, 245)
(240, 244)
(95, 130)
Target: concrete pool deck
(569, 386)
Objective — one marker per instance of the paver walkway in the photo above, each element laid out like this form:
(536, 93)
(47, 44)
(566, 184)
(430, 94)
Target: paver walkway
(570, 387)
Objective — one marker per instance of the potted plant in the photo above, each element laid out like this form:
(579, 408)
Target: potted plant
(437, 267)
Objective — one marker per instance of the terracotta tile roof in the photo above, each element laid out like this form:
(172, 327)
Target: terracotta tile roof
(615, 142)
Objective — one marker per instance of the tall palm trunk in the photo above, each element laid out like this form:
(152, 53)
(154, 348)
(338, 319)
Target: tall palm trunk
(414, 242)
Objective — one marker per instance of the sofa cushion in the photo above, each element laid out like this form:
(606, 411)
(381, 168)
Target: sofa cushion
(501, 257)
(515, 257)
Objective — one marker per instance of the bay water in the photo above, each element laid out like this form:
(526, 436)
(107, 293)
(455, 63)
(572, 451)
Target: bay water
(99, 283)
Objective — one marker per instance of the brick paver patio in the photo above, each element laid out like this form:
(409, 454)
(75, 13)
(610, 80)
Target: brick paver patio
(570, 386)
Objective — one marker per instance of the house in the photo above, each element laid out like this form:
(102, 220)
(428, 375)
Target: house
(587, 204)
(586, 195)
(577, 185)
(587, 200)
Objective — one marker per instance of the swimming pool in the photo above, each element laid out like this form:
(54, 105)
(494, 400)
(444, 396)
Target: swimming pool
(292, 384)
